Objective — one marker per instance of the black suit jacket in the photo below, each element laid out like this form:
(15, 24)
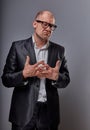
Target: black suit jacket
(25, 92)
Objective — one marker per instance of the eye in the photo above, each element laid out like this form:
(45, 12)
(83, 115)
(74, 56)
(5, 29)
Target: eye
(45, 24)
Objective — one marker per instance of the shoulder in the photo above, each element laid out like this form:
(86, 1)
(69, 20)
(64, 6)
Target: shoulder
(21, 42)
(57, 46)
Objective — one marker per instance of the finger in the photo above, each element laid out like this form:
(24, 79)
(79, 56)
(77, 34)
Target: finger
(38, 63)
(44, 71)
(27, 60)
(47, 72)
(58, 63)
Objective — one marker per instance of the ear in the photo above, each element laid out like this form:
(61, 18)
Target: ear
(34, 24)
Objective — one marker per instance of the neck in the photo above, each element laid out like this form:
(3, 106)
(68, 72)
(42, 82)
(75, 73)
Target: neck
(39, 41)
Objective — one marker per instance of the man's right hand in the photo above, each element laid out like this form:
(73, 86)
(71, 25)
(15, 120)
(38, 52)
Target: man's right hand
(31, 70)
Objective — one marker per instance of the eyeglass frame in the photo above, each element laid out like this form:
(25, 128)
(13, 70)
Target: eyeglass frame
(52, 26)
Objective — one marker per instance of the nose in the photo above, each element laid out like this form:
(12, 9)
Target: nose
(49, 28)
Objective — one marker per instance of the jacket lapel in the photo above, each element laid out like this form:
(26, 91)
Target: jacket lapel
(51, 56)
(30, 48)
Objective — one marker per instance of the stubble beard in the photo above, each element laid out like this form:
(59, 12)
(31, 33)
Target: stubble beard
(42, 38)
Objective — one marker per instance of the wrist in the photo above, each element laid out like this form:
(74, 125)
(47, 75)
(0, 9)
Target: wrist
(24, 74)
(56, 77)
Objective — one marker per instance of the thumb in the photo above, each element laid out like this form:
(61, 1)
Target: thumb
(27, 60)
(58, 63)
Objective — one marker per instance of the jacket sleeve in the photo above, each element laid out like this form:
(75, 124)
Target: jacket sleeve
(64, 78)
(11, 77)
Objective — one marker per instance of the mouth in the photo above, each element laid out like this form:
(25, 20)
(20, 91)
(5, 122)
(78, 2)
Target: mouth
(46, 33)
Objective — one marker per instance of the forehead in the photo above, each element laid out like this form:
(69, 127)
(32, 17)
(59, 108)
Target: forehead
(47, 17)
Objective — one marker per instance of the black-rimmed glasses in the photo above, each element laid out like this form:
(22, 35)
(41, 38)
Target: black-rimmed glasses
(45, 25)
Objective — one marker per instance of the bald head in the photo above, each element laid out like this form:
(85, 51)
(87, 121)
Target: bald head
(45, 12)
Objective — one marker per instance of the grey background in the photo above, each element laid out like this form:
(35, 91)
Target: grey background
(73, 32)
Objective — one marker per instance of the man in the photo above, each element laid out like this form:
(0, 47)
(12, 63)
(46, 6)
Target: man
(36, 67)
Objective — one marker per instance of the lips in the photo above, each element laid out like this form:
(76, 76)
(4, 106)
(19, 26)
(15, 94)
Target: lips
(46, 33)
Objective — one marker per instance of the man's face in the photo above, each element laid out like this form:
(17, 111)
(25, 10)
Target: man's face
(43, 26)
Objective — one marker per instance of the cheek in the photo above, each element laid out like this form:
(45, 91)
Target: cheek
(39, 30)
